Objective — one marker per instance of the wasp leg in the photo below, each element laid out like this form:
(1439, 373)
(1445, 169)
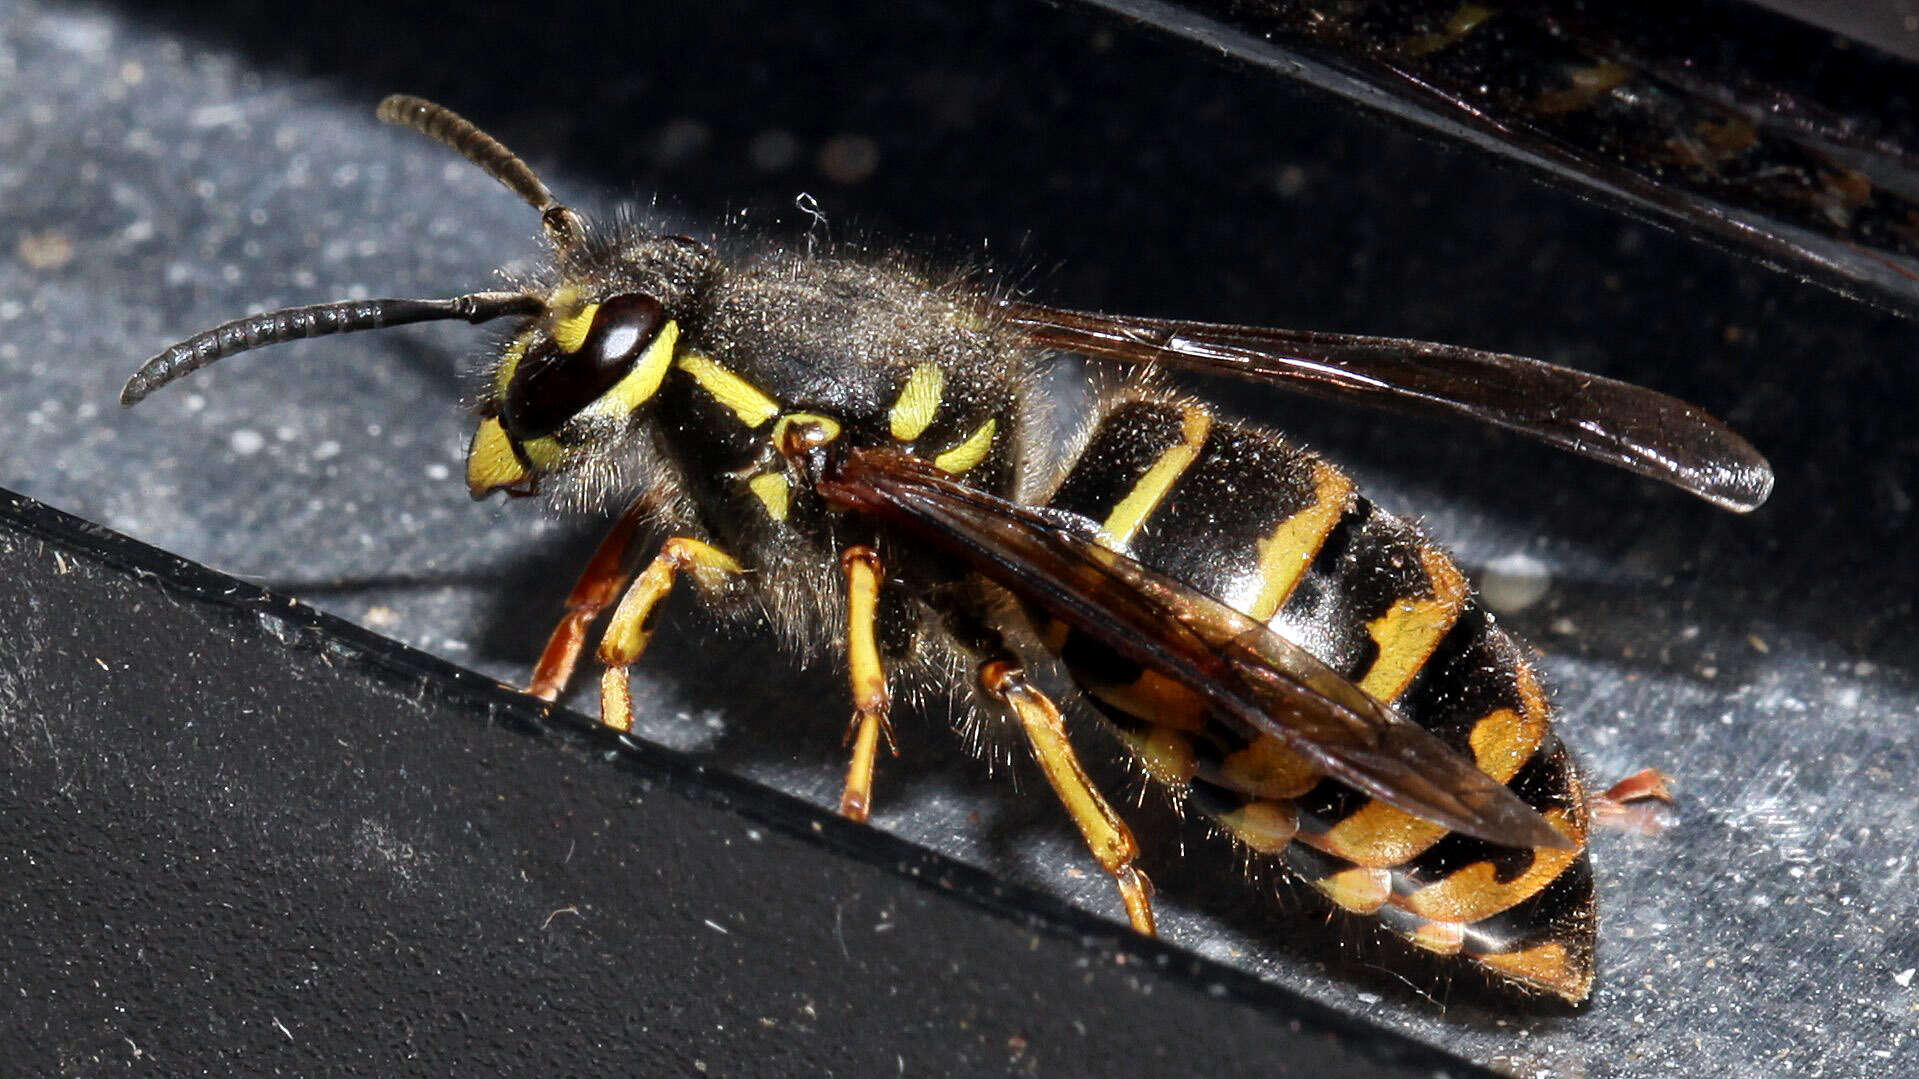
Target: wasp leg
(872, 702)
(1650, 784)
(599, 585)
(1627, 806)
(1108, 837)
(632, 623)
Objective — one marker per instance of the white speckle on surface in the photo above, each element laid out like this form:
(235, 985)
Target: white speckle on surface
(246, 441)
(1368, 998)
(1904, 977)
(326, 451)
(207, 116)
(437, 471)
(1514, 582)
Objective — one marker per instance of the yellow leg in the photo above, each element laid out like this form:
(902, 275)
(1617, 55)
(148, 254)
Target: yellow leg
(632, 623)
(1108, 837)
(599, 585)
(872, 703)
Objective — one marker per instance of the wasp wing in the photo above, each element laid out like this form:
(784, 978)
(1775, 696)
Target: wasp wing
(1252, 677)
(1621, 424)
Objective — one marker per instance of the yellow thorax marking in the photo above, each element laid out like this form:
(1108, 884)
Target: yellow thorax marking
(1285, 554)
(962, 458)
(829, 427)
(772, 489)
(1152, 488)
(918, 402)
(746, 400)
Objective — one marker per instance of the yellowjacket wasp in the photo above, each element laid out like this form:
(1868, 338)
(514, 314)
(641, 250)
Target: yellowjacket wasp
(845, 446)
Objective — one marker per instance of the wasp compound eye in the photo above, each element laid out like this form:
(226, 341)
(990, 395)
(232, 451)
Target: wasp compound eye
(587, 355)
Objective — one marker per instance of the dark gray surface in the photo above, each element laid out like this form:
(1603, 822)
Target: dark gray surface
(161, 172)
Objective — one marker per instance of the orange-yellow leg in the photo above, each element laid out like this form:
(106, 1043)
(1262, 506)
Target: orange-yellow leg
(632, 623)
(1107, 835)
(599, 585)
(872, 702)
(1628, 805)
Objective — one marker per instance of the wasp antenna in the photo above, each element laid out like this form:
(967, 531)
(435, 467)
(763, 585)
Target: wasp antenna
(318, 320)
(564, 229)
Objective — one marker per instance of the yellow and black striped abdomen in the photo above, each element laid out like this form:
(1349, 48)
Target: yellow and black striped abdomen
(1281, 535)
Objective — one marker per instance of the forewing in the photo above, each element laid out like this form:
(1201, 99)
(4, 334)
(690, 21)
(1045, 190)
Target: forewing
(1621, 424)
(1252, 677)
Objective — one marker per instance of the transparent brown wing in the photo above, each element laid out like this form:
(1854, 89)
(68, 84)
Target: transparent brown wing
(1253, 678)
(1621, 424)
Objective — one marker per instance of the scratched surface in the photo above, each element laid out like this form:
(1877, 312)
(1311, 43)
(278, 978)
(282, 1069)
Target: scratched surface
(162, 171)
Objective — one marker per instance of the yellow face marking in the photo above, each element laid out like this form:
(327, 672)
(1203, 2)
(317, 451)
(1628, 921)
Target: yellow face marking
(1362, 891)
(1267, 769)
(918, 403)
(964, 457)
(1264, 826)
(1547, 966)
(1474, 892)
(570, 332)
(744, 399)
(643, 381)
(1408, 633)
(510, 362)
(545, 452)
(1152, 488)
(490, 461)
(774, 492)
(1285, 554)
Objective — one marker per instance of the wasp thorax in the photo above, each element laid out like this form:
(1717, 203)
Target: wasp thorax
(586, 355)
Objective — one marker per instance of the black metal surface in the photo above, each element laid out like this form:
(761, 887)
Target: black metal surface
(244, 836)
(1792, 144)
(162, 170)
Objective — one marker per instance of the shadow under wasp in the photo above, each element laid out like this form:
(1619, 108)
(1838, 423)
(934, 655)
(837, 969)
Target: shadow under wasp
(846, 448)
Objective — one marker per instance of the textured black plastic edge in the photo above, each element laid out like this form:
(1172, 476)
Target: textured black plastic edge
(1301, 1034)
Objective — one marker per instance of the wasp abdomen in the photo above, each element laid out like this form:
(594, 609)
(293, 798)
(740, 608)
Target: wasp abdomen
(1281, 535)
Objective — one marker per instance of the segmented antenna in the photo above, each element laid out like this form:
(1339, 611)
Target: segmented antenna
(564, 229)
(318, 320)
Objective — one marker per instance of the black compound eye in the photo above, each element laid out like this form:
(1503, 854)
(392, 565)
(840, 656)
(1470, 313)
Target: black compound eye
(550, 386)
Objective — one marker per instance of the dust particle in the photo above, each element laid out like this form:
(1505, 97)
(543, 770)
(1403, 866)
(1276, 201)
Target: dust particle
(48, 250)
